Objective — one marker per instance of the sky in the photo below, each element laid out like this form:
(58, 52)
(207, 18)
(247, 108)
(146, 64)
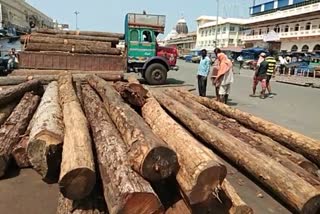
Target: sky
(108, 15)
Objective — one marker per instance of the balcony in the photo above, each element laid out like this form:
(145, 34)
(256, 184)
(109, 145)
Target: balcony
(284, 35)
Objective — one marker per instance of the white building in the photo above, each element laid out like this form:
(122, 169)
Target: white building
(284, 25)
(228, 33)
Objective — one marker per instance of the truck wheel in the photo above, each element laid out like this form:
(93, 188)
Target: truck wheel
(156, 74)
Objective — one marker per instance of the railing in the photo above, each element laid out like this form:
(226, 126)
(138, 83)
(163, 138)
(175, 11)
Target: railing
(301, 33)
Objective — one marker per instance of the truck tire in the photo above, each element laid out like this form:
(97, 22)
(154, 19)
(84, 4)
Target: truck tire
(156, 74)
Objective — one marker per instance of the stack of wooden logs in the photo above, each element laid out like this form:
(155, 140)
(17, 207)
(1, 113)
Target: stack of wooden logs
(83, 42)
(123, 148)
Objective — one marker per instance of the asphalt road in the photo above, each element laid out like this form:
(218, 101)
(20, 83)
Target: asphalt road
(293, 107)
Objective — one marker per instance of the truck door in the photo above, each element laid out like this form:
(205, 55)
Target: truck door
(147, 44)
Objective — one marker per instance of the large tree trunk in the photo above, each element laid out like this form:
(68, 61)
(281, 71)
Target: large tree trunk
(46, 135)
(125, 191)
(283, 155)
(14, 127)
(292, 189)
(6, 110)
(77, 175)
(46, 79)
(36, 72)
(200, 170)
(89, 49)
(50, 40)
(19, 153)
(16, 92)
(82, 33)
(114, 40)
(304, 145)
(149, 156)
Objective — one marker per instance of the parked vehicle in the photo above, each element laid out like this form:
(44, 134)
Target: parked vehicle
(196, 59)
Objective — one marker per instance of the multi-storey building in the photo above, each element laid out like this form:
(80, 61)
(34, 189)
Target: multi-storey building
(228, 32)
(284, 25)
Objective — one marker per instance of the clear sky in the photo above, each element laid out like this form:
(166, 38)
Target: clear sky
(108, 15)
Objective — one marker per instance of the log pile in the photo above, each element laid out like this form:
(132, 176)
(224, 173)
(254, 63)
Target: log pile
(125, 148)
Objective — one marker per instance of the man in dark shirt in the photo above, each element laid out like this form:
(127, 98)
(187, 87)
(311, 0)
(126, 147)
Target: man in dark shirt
(261, 76)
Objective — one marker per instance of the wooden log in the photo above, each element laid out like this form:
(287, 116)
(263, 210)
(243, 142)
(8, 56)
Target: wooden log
(82, 33)
(51, 40)
(14, 127)
(149, 156)
(238, 206)
(6, 110)
(16, 92)
(46, 79)
(132, 93)
(124, 190)
(46, 136)
(32, 72)
(297, 142)
(179, 207)
(89, 49)
(200, 172)
(292, 160)
(19, 153)
(293, 190)
(114, 40)
(133, 79)
(77, 175)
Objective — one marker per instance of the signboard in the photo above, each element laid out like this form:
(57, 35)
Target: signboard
(272, 36)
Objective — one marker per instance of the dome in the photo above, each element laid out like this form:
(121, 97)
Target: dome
(182, 27)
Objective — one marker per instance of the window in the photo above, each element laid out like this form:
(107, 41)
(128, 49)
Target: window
(277, 29)
(210, 32)
(146, 36)
(308, 26)
(206, 33)
(260, 31)
(252, 32)
(305, 48)
(267, 30)
(224, 29)
(296, 27)
(202, 32)
(231, 41)
(134, 35)
(286, 28)
(316, 48)
(294, 48)
(232, 28)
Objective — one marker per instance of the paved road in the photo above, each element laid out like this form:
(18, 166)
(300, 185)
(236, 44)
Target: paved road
(293, 107)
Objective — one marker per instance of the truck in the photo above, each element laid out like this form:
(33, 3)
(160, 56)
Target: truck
(141, 52)
(144, 55)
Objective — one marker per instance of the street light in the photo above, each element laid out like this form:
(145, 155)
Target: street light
(77, 13)
(217, 21)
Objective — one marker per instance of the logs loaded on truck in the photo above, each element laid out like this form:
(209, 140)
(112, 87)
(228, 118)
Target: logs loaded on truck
(121, 147)
(49, 49)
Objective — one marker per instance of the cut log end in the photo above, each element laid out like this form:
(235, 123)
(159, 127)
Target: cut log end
(312, 206)
(160, 163)
(206, 182)
(142, 203)
(78, 183)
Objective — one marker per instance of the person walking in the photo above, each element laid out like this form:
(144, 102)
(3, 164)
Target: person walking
(283, 62)
(203, 72)
(270, 72)
(260, 76)
(240, 60)
(224, 77)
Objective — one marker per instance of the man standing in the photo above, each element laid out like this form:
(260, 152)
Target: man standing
(240, 60)
(270, 72)
(283, 62)
(260, 76)
(203, 72)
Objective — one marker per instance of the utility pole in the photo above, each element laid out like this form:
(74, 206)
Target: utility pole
(217, 22)
(77, 13)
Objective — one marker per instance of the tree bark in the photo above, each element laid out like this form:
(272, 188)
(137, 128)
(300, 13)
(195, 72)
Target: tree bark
(14, 127)
(299, 143)
(133, 79)
(292, 189)
(81, 33)
(114, 40)
(6, 110)
(180, 207)
(36, 72)
(51, 40)
(132, 93)
(79, 93)
(149, 156)
(89, 49)
(125, 191)
(293, 161)
(238, 206)
(16, 92)
(46, 136)
(19, 153)
(77, 175)
(46, 79)
(200, 170)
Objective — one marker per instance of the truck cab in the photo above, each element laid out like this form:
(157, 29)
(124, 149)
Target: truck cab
(144, 55)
